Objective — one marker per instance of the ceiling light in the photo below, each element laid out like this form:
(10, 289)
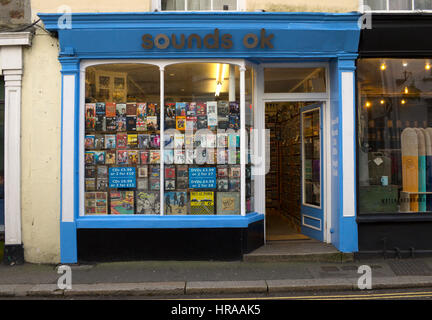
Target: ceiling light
(368, 104)
(427, 66)
(403, 101)
(382, 101)
(383, 66)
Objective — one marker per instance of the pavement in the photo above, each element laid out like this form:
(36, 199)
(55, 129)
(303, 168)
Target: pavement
(184, 279)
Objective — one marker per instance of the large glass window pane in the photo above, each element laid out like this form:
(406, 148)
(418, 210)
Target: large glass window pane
(423, 4)
(224, 4)
(395, 135)
(311, 151)
(201, 139)
(400, 4)
(173, 5)
(122, 139)
(376, 4)
(294, 80)
(199, 5)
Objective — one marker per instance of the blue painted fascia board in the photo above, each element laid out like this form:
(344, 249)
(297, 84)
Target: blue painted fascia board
(167, 222)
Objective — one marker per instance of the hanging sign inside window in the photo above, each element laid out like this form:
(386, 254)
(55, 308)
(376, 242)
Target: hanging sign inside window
(202, 178)
(124, 177)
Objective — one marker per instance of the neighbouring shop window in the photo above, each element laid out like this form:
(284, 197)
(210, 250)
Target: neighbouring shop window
(394, 135)
(193, 166)
(398, 5)
(199, 5)
(294, 80)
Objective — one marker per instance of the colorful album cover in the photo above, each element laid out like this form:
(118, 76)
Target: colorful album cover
(122, 157)
(223, 122)
(202, 202)
(110, 109)
(90, 123)
(182, 183)
(181, 109)
(142, 183)
(233, 140)
(170, 123)
(151, 110)
(191, 109)
(101, 184)
(142, 171)
(221, 140)
(222, 185)
(234, 121)
(121, 123)
(189, 140)
(99, 141)
(222, 171)
(170, 172)
(90, 110)
(111, 123)
(228, 203)
(191, 123)
(170, 184)
(133, 157)
(132, 141)
(100, 108)
(89, 157)
(151, 122)
(131, 109)
(181, 123)
(148, 202)
(232, 156)
(155, 141)
(141, 110)
(234, 184)
(90, 184)
(110, 141)
(99, 157)
(141, 123)
(89, 141)
(175, 203)
(90, 171)
(154, 156)
(182, 171)
(154, 184)
(168, 156)
(234, 171)
(169, 139)
(100, 123)
(143, 141)
(121, 110)
(223, 108)
(122, 202)
(210, 140)
(189, 156)
(234, 107)
(201, 109)
(144, 157)
(221, 156)
(110, 157)
(202, 122)
(96, 203)
(170, 110)
(212, 114)
(154, 171)
(131, 123)
(122, 140)
(102, 171)
(179, 141)
(179, 157)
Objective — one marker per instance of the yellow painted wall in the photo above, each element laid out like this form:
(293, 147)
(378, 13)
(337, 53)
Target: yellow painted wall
(303, 5)
(40, 151)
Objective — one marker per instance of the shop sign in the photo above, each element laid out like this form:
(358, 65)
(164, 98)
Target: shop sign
(214, 40)
(202, 178)
(124, 177)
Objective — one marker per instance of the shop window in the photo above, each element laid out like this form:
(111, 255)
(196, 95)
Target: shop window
(294, 80)
(398, 5)
(199, 5)
(394, 135)
(182, 158)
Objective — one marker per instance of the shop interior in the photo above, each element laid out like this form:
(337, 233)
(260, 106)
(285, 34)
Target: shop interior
(283, 180)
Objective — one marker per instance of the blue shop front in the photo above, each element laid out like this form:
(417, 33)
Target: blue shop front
(205, 135)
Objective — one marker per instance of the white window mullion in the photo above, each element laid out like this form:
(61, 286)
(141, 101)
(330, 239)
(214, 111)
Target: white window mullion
(162, 138)
(243, 157)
